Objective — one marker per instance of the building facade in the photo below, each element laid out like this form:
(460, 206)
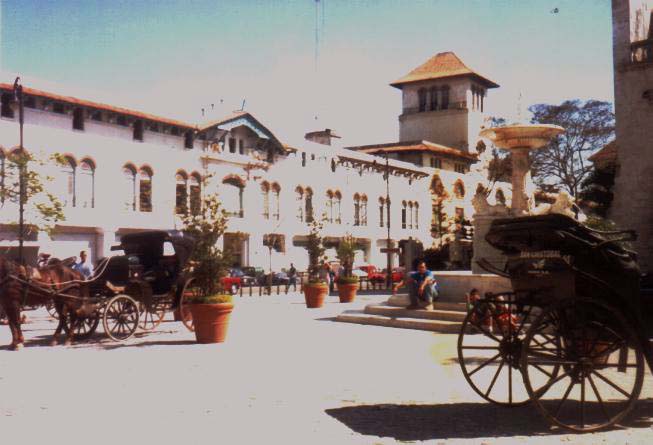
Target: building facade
(633, 87)
(126, 171)
(443, 110)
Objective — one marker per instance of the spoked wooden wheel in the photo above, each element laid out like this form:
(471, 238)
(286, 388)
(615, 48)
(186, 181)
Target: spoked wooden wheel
(151, 317)
(121, 317)
(601, 360)
(52, 310)
(190, 291)
(85, 327)
(489, 350)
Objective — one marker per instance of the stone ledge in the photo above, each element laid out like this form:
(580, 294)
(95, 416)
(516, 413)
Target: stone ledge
(397, 312)
(402, 323)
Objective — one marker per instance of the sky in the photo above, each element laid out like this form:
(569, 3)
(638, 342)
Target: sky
(173, 58)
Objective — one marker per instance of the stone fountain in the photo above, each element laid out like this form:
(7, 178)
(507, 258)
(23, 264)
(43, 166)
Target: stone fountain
(520, 140)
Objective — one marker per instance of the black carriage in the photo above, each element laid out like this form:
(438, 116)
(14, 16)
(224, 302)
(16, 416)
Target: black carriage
(137, 288)
(573, 335)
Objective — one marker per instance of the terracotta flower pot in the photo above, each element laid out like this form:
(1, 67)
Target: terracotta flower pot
(315, 294)
(347, 292)
(211, 321)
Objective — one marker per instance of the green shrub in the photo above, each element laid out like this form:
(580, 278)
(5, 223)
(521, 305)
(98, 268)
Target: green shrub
(347, 280)
(212, 299)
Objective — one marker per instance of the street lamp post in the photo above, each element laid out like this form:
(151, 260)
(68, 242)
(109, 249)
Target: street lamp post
(388, 246)
(18, 97)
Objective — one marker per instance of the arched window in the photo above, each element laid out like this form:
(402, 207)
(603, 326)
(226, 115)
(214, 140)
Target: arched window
(445, 97)
(357, 210)
(86, 189)
(416, 219)
(276, 201)
(434, 98)
(181, 193)
(459, 189)
(299, 192)
(195, 193)
(233, 196)
(68, 170)
(421, 97)
(309, 205)
(410, 214)
(363, 210)
(145, 189)
(337, 203)
(403, 214)
(381, 211)
(265, 192)
(129, 192)
(500, 197)
(329, 205)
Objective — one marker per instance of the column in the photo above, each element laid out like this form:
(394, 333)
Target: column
(520, 167)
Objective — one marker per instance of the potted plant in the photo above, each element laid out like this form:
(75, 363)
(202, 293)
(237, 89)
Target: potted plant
(316, 289)
(347, 283)
(211, 305)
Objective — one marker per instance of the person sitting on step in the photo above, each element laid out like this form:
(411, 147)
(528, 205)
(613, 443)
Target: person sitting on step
(422, 288)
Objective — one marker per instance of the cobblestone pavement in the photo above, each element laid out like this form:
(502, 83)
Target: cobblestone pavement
(286, 375)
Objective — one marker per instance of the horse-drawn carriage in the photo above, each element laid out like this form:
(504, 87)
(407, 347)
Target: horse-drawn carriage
(137, 289)
(127, 291)
(573, 335)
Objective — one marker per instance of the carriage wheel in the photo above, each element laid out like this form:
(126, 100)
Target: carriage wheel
(190, 291)
(52, 310)
(85, 326)
(120, 318)
(151, 317)
(489, 350)
(601, 361)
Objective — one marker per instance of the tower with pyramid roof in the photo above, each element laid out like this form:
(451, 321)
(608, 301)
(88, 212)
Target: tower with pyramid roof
(443, 101)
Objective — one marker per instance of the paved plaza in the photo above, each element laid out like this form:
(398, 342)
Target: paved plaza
(286, 375)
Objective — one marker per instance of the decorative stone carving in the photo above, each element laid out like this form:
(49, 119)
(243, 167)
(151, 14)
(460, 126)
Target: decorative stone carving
(482, 207)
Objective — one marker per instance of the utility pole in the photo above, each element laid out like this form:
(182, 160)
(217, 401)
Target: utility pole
(18, 97)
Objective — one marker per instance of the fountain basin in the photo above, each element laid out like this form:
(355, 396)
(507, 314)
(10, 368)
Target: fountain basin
(531, 136)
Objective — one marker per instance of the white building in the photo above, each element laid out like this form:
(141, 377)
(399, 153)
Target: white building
(128, 171)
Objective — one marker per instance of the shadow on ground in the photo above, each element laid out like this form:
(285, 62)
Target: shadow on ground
(460, 420)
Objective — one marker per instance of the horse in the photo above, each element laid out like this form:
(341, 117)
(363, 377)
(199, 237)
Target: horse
(20, 285)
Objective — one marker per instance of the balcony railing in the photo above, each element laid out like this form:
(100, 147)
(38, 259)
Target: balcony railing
(642, 51)
(452, 106)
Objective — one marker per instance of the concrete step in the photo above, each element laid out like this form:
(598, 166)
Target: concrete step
(422, 324)
(438, 313)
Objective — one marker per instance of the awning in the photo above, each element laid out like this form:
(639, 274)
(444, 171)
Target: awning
(275, 240)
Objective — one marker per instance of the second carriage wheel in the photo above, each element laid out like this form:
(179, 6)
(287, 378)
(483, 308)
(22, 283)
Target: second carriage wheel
(151, 317)
(601, 360)
(121, 317)
(52, 310)
(85, 327)
(489, 350)
(190, 291)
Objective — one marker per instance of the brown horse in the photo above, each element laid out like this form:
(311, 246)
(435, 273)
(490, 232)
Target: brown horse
(20, 286)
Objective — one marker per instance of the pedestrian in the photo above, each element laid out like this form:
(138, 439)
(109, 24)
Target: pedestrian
(421, 287)
(84, 266)
(325, 273)
(292, 277)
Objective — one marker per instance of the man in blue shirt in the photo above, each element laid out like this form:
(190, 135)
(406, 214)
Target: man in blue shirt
(421, 288)
(84, 266)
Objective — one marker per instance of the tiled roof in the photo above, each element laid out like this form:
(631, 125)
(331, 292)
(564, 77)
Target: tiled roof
(395, 147)
(440, 66)
(223, 120)
(608, 154)
(97, 105)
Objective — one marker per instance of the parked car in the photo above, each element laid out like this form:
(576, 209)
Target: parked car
(246, 280)
(232, 282)
(374, 275)
(280, 278)
(254, 272)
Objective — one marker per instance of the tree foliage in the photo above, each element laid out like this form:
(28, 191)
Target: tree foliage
(206, 228)
(596, 193)
(563, 162)
(346, 252)
(315, 248)
(42, 209)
